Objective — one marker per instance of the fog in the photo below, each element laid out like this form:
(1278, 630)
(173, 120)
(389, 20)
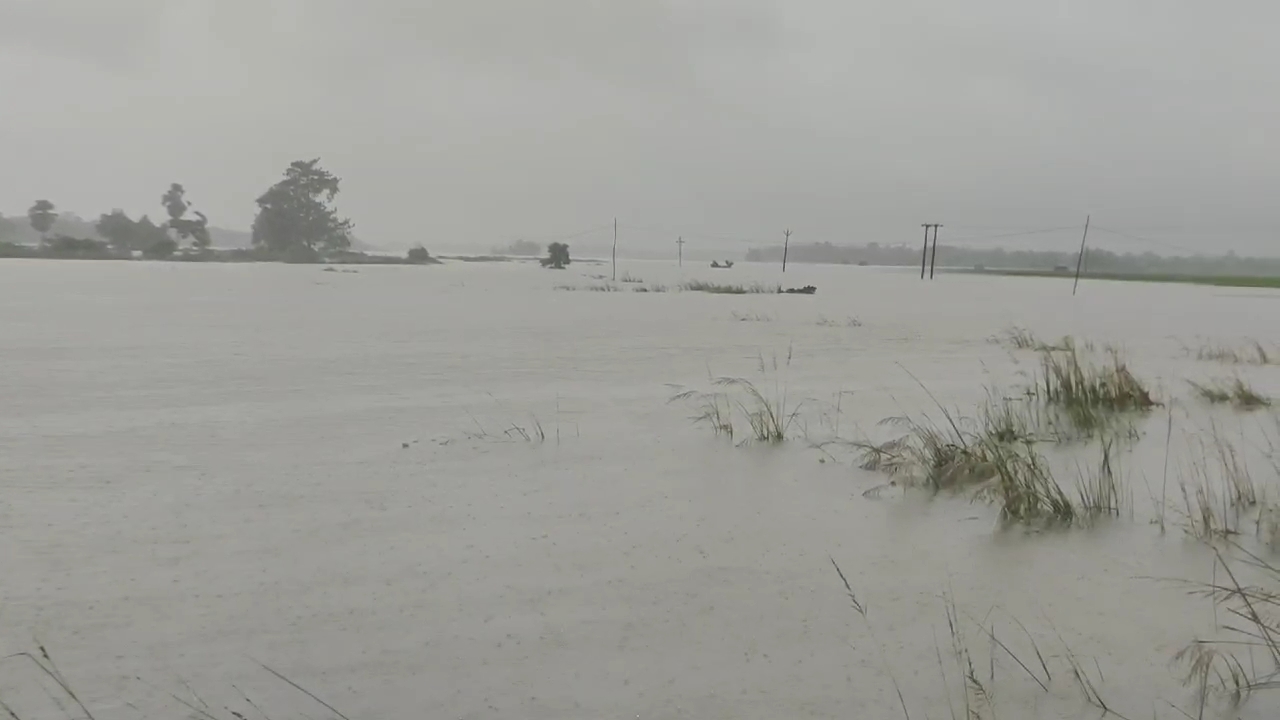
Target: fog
(474, 123)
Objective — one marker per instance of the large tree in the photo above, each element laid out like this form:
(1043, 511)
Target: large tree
(42, 216)
(296, 216)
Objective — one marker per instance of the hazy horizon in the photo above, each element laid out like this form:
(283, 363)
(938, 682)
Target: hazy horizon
(475, 124)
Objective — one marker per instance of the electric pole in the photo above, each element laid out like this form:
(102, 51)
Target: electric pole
(786, 242)
(924, 252)
(1080, 260)
(934, 260)
(615, 249)
(680, 250)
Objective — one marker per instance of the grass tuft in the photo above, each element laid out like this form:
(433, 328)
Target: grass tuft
(1235, 392)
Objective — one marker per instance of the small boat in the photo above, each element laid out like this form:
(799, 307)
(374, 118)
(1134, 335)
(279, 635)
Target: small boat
(806, 290)
(727, 264)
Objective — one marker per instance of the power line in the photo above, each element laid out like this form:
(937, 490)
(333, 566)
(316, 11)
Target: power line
(1139, 238)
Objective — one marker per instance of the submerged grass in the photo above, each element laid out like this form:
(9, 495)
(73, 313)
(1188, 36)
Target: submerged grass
(850, 322)
(721, 289)
(1020, 338)
(1252, 352)
(1235, 392)
(769, 417)
(1091, 396)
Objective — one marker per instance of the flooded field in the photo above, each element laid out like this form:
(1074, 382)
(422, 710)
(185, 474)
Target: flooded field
(481, 491)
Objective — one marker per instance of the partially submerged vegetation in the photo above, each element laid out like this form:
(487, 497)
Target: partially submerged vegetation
(1252, 352)
(1091, 396)
(769, 417)
(995, 454)
(1234, 392)
(729, 289)
(1020, 338)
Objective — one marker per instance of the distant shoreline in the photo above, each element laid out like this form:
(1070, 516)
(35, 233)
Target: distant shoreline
(1253, 281)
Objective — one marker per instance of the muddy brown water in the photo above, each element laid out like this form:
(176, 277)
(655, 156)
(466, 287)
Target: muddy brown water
(204, 467)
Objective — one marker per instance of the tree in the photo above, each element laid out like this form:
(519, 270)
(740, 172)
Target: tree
(197, 230)
(296, 217)
(176, 204)
(418, 255)
(118, 229)
(557, 256)
(42, 215)
(148, 234)
(162, 248)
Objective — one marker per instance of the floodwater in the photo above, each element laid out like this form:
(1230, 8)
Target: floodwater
(208, 467)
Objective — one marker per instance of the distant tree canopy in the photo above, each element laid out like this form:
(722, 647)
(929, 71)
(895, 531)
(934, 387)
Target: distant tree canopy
(418, 254)
(557, 256)
(8, 230)
(1097, 259)
(42, 216)
(296, 217)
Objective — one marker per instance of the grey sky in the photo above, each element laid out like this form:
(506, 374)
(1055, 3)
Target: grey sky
(478, 121)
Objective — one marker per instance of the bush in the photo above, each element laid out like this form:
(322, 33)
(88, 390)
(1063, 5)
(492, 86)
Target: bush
(161, 249)
(418, 254)
(300, 254)
(65, 246)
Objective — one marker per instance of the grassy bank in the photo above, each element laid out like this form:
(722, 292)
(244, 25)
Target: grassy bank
(1255, 281)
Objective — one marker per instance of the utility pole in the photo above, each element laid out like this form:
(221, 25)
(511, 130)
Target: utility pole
(934, 260)
(680, 249)
(615, 249)
(786, 242)
(924, 252)
(1080, 260)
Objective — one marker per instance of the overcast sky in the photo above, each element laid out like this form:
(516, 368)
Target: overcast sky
(478, 121)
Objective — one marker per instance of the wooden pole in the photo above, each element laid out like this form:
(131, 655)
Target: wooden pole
(615, 249)
(934, 259)
(786, 241)
(1080, 260)
(680, 245)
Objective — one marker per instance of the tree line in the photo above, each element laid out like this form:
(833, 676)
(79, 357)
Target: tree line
(296, 221)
